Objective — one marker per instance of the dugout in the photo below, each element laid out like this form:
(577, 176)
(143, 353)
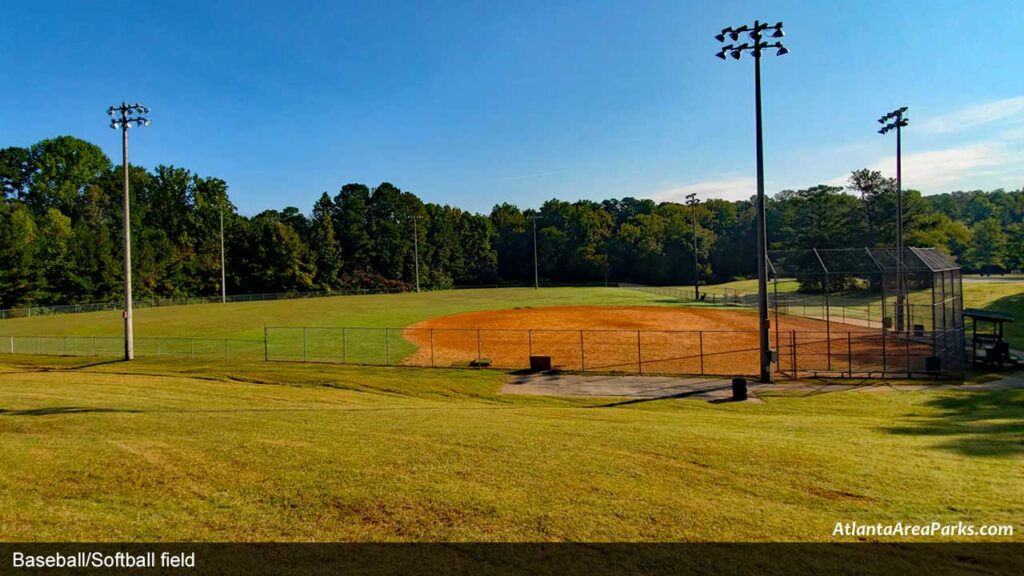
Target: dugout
(910, 300)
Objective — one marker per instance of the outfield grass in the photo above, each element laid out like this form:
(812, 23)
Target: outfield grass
(247, 319)
(167, 451)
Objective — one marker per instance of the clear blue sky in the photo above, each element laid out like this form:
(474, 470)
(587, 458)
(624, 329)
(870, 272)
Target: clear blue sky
(476, 103)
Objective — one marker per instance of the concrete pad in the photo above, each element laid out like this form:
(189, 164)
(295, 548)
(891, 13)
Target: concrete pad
(638, 387)
(709, 389)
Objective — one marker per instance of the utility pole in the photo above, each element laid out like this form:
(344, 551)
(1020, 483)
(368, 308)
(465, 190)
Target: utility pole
(691, 201)
(756, 33)
(896, 120)
(223, 285)
(123, 117)
(416, 249)
(536, 273)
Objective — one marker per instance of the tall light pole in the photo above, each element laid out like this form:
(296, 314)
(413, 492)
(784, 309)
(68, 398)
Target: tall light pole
(758, 43)
(123, 117)
(223, 285)
(536, 272)
(896, 120)
(692, 202)
(416, 249)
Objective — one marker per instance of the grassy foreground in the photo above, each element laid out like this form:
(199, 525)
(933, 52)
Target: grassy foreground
(178, 451)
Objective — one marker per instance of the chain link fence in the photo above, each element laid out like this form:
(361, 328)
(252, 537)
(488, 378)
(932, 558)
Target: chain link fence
(113, 346)
(876, 354)
(801, 353)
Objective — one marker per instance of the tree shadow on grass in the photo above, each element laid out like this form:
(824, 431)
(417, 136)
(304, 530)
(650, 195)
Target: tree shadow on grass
(57, 410)
(976, 422)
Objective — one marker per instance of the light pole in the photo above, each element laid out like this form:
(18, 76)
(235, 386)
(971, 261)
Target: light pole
(896, 120)
(416, 249)
(692, 202)
(123, 117)
(223, 285)
(757, 32)
(536, 273)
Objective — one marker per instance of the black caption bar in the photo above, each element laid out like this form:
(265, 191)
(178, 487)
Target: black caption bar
(541, 559)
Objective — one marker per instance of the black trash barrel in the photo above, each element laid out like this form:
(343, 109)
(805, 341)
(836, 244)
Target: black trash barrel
(739, 389)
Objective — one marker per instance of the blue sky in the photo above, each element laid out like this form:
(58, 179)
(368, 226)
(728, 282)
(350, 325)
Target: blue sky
(476, 103)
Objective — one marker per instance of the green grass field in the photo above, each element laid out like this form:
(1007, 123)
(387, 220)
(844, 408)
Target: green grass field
(178, 451)
(247, 319)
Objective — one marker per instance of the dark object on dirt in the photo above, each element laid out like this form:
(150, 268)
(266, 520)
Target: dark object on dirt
(540, 363)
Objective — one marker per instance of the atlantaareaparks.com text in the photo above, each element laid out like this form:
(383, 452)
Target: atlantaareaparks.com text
(102, 560)
(960, 529)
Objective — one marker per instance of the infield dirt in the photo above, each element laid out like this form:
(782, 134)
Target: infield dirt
(629, 338)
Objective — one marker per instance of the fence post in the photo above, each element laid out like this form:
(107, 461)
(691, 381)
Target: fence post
(792, 344)
(478, 359)
(700, 337)
(266, 347)
(849, 353)
(639, 356)
(583, 360)
(303, 343)
(828, 347)
(884, 356)
(907, 338)
(432, 365)
(12, 344)
(387, 346)
(529, 342)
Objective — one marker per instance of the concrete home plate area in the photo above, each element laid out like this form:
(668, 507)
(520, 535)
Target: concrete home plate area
(632, 339)
(636, 389)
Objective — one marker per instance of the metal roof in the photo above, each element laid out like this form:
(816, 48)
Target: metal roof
(987, 315)
(859, 261)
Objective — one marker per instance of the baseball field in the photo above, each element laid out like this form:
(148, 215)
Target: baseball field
(175, 449)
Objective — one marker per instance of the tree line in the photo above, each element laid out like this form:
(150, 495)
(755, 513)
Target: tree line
(61, 226)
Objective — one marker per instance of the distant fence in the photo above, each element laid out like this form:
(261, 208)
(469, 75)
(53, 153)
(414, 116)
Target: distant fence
(146, 346)
(706, 352)
(865, 309)
(29, 312)
(157, 302)
(709, 294)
